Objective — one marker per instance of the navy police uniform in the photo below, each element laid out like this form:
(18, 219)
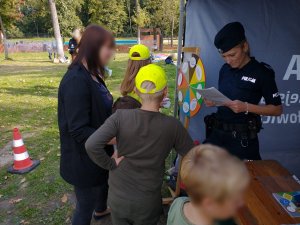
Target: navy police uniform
(72, 46)
(248, 84)
(237, 132)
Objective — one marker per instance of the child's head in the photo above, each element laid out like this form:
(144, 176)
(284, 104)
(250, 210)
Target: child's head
(139, 56)
(76, 34)
(126, 102)
(151, 84)
(215, 180)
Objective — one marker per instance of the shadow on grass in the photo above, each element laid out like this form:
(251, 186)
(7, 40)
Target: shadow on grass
(31, 60)
(37, 90)
(11, 69)
(34, 71)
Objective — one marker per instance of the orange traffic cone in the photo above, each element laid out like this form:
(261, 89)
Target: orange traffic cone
(22, 162)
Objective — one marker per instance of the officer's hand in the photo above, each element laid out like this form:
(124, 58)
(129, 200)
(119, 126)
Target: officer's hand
(117, 158)
(237, 106)
(209, 103)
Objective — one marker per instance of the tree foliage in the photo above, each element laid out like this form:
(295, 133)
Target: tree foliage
(36, 18)
(9, 12)
(32, 17)
(162, 13)
(142, 19)
(68, 11)
(109, 13)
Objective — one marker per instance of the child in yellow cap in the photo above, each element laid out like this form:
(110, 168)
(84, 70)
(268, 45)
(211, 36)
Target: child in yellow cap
(139, 56)
(145, 138)
(215, 182)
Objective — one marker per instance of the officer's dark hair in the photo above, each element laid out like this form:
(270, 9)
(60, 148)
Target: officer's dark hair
(93, 39)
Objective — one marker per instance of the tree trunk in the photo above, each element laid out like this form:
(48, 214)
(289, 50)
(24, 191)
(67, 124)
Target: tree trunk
(172, 32)
(129, 15)
(137, 5)
(161, 42)
(4, 39)
(57, 35)
(155, 45)
(37, 28)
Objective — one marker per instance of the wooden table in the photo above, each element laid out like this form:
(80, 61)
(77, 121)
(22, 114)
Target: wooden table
(267, 177)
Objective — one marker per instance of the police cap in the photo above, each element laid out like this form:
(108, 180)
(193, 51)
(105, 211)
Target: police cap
(229, 36)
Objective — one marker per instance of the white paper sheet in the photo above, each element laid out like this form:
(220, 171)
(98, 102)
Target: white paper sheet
(213, 94)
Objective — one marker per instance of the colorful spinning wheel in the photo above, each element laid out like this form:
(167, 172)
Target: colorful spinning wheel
(191, 76)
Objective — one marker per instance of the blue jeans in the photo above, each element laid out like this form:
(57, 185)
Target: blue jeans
(88, 200)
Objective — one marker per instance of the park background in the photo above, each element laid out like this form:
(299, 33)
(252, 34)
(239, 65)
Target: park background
(32, 18)
(28, 92)
(29, 81)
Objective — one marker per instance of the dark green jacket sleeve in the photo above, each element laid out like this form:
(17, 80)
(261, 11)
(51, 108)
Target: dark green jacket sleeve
(183, 141)
(95, 145)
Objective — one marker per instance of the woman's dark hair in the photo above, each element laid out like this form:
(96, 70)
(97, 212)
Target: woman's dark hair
(92, 40)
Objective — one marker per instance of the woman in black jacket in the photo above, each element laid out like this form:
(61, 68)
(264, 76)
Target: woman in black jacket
(84, 103)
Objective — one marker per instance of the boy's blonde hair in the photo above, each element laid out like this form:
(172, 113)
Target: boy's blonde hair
(155, 97)
(210, 171)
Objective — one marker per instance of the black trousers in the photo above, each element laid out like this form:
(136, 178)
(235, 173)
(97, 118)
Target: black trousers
(244, 149)
(88, 200)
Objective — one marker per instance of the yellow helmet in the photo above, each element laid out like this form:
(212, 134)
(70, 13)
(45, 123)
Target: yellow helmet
(152, 73)
(142, 50)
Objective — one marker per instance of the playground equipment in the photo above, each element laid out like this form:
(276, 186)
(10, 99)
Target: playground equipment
(152, 38)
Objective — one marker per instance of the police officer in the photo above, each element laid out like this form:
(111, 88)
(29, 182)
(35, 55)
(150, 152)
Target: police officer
(245, 81)
(73, 43)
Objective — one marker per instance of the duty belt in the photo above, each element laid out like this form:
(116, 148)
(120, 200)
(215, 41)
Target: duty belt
(241, 131)
(229, 127)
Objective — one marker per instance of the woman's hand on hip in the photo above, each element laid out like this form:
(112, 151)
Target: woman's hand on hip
(117, 158)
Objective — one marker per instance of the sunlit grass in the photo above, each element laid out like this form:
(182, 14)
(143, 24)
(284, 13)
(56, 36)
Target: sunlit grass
(28, 100)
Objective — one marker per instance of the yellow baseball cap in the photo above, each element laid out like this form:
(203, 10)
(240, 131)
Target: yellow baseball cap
(152, 73)
(142, 50)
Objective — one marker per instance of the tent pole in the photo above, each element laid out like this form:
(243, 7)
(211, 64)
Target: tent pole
(179, 51)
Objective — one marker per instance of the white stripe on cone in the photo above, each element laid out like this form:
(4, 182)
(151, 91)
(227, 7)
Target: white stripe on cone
(21, 156)
(18, 143)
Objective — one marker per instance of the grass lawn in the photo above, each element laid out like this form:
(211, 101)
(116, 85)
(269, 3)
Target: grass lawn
(28, 100)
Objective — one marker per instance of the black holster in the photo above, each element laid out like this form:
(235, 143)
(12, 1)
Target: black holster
(243, 131)
(211, 122)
